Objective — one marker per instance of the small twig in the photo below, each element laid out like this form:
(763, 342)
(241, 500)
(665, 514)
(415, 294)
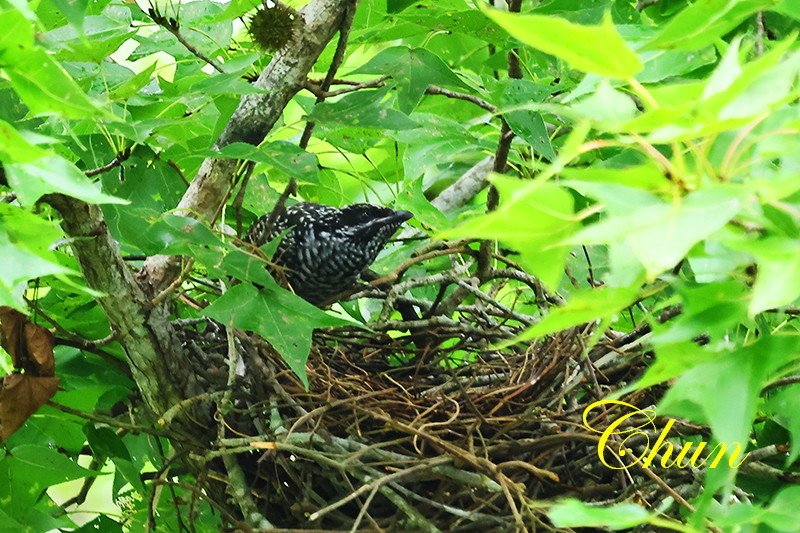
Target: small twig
(480, 102)
(377, 483)
(163, 295)
(336, 62)
(314, 87)
(80, 498)
(173, 26)
(174, 166)
(782, 382)
(117, 161)
(113, 422)
(238, 202)
(173, 411)
(644, 4)
(761, 33)
(500, 157)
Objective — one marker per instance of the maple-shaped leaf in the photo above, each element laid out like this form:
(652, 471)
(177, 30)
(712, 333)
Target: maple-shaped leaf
(412, 70)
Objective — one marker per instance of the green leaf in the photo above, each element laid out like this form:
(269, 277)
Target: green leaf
(283, 319)
(73, 10)
(646, 176)
(33, 172)
(710, 309)
(412, 198)
(573, 513)
(17, 30)
(788, 7)
(133, 85)
(784, 407)
(534, 218)
(578, 45)
(282, 155)
(527, 124)
(705, 21)
(363, 109)
(107, 444)
(42, 467)
(607, 107)
(778, 278)
(675, 227)
(783, 513)
(45, 86)
(412, 70)
(99, 37)
(583, 306)
(662, 64)
(724, 393)
(17, 267)
(100, 524)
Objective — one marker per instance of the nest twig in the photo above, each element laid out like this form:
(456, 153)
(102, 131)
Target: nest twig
(466, 436)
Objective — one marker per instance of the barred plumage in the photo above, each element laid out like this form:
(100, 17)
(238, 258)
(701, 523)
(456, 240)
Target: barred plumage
(327, 248)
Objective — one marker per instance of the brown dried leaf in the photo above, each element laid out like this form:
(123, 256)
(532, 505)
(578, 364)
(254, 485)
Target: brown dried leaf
(39, 343)
(20, 396)
(12, 323)
(30, 346)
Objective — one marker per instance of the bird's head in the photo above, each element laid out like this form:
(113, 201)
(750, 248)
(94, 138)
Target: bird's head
(364, 222)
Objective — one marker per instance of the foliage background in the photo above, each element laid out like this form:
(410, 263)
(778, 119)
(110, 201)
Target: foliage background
(653, 162)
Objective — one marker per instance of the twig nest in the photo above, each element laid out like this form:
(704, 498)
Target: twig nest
(272, 27)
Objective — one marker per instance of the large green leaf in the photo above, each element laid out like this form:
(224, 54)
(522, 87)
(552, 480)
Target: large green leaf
(364, 109)
(660, 233)
(40, 81)
(41, 466)
(412, 70)
(282, 155)
(534, 218)
(282, 318)
(573, 513)
(784, 407)
(33, 171)
(597, 49)
(527, 124)
(724, 392)
(17, 267)
(778, 278)
(582, 307)
(705, 21)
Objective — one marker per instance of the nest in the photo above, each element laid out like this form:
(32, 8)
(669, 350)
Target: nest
(394, 434)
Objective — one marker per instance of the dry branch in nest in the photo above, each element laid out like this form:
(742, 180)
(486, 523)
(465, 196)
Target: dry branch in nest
(422, 425)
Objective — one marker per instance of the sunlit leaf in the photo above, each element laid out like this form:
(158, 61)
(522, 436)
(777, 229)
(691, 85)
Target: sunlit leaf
(705, 21)
(573, 513)
(598, 49)
(282, 318)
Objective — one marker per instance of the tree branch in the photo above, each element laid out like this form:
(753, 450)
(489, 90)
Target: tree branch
(336, 62)
(145, 333)
(254, 117)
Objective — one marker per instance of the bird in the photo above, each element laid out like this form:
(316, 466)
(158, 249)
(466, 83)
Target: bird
(325, 249)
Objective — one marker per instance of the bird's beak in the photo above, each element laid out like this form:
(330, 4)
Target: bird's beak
(398, 217)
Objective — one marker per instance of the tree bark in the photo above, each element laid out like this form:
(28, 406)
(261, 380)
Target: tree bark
(254, 117)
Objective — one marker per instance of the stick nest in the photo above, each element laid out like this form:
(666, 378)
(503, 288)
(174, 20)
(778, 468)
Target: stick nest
(424, 426)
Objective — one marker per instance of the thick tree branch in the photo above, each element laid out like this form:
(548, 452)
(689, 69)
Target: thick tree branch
(256, 115)
(144, 332)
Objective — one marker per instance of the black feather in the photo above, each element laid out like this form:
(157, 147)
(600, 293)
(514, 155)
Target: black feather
(326, 248)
